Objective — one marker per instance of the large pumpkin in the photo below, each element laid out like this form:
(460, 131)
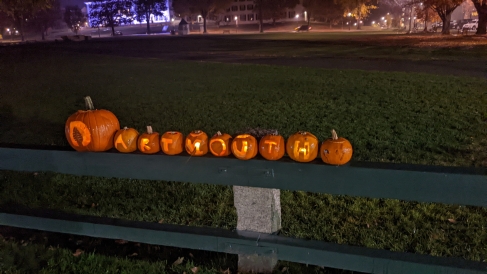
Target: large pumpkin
(91, 129)
(335, 150)
(272, 147)
(148, 142)
(172, 142)
(302, 146)
(220, 144)
(244, 146)
(125, 140)
(196, 143)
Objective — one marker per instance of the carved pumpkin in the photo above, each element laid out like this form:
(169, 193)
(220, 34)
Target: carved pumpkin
(220, 144)
(272, 147)
(125, 140)
(244, 146)
(91, 129)
(335, 150)
(172, 142)
(196, 143)
(148, 142)
(302, 147)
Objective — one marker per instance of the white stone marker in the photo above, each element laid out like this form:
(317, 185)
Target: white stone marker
(258, 210)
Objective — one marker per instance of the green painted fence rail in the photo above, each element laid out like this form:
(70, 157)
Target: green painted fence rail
(449, 185)
(353, 258)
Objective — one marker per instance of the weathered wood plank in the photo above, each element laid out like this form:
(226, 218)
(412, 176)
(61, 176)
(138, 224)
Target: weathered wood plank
(450, 185)
(213, 239)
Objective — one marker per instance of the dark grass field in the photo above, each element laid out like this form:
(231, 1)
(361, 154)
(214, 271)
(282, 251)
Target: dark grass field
(396, 117)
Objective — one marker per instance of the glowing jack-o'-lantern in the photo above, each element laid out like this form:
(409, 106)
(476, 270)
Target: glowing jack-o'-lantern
(302, 146)
(244, 146)
(125, 140)
(336, 151)
(91, 129)
(148, 142)
(220, 144)
(196, 143)
(272, 147)
(172, 142)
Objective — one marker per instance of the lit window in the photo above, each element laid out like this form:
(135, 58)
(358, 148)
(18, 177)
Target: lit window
(250, 17)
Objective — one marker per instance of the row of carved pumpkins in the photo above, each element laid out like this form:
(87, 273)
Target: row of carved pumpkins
(99, 130)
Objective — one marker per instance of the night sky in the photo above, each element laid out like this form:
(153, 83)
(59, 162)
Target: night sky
(80, 3)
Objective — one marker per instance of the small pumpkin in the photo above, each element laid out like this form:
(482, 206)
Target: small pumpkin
(125, 140)
(336, 150)
(148, 142)
(244, 146)
(220, 144)
(272, 146)
(302, 147)
(196, 143)
(172, 142)
(91, 129)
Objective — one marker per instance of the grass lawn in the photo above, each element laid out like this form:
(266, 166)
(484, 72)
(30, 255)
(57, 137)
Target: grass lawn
(368, 45)
(388, 117)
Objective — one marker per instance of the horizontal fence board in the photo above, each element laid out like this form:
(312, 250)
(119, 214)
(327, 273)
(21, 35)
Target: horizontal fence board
(450, 185)
(213, 239)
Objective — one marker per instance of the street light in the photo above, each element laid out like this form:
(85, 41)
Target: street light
(297, 16)
(236, 22)
(349, 14)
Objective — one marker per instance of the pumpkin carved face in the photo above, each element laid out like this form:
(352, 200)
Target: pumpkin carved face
(335, 150)
(91, 129)
(148, 142)
(244, 147)
(196, 143)
(272, 147)
(172, 142)
(125, 140)
(220, 144)
(302, 147)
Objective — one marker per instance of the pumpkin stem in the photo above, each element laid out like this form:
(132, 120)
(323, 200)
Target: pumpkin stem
(89, 103)
(334, 135)
(125, 128)
(197, 131)
(218, 133)
(149, 129)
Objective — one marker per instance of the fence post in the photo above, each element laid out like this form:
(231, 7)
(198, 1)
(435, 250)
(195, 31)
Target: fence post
(258, 210)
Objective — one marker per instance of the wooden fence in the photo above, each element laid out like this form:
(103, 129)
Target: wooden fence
(449, 185)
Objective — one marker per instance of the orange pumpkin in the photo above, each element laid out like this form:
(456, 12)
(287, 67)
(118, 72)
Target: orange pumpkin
(302, 147)
(220, 144)
(244, 146)
(125, 140)
(148, 142)
(91, 129)
(272, 147)
(336, 151)
(172, 142)
(197, 143)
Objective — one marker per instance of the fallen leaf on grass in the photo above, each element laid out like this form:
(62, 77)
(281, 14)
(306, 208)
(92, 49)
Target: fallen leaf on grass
(191, 255)
(133, 254)
(194, 269)
(120, 241)
(78, 252)
(51, 248)
(284, 269)
(93, 205)
(227, 271)
(178, 261)
(161, 221)
(452, 221)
